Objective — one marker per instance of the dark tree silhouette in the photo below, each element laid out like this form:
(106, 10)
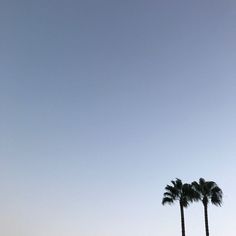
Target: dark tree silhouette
(182, 193)
(207, 191)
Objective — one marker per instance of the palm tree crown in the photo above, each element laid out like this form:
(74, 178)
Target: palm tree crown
(178, 192)
(208, 191)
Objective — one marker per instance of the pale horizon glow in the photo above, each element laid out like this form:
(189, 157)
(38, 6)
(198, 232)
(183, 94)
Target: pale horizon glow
(103, 103)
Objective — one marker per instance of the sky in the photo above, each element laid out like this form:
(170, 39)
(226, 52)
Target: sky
(103, 103)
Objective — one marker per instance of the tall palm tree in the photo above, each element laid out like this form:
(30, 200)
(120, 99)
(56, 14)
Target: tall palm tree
(179, 192)
(206, 192)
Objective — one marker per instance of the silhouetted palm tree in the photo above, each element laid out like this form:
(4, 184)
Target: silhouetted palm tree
(180, 192)
(207, 191)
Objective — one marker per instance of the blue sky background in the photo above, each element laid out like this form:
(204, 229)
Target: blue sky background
(103, 103)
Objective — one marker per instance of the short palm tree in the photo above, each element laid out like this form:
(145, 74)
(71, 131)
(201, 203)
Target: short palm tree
(179, 192)
(207, 191)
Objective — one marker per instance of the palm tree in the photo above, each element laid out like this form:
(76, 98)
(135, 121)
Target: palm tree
(207, 191)
(180, 192)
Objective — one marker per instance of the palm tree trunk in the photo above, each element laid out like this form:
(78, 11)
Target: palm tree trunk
(182, 219)
(206, 219)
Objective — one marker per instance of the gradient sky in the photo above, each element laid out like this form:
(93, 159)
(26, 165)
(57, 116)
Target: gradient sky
(103, 103)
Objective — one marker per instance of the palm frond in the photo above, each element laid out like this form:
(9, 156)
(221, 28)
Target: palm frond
(179, 183)
(171, 189)
(202, 181)
(167, 200)
(169, 194)
(217, 196)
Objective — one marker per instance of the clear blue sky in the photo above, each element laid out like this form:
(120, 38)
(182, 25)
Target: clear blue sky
(103, 103)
